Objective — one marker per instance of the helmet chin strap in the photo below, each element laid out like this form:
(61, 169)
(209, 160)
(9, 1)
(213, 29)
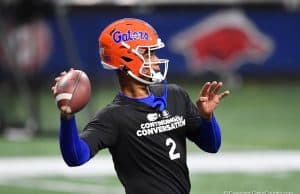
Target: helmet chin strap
(162, 100)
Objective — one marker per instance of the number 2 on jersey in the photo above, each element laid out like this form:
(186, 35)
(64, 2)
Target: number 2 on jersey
(172, 153)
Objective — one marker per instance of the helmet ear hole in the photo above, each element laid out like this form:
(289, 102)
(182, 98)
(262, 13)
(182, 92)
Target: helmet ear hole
(127, 59)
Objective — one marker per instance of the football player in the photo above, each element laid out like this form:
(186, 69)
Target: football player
(147, 124)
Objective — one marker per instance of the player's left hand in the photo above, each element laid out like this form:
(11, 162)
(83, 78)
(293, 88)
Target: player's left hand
(209, 98)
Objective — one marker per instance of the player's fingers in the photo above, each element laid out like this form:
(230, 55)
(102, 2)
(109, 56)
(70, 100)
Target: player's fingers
(63, 73)
(204, 90)
(217, 88)
(66, 109)
(57, 79)
(223, 94)
(60, 76)
(203, 99)
(212, 87)
(54, 89)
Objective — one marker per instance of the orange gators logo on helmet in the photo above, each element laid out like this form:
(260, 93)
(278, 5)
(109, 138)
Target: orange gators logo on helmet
(119, 36)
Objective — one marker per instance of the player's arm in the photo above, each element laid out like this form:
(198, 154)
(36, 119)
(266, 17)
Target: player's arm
(209, 135)
(74, 150)
(203, 128)
(205, 133)
(101, 132)
(210, 132)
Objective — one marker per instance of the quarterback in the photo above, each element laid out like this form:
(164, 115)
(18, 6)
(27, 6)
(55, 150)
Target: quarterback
(147, 124)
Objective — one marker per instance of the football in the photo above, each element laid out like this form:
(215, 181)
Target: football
(73, 90)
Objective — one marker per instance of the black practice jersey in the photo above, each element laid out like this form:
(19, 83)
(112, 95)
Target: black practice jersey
(148, 147)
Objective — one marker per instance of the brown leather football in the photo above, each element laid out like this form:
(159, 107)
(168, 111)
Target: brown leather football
(73, 90)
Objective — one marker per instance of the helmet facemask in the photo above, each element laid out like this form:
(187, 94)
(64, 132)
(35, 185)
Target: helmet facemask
(149, 73)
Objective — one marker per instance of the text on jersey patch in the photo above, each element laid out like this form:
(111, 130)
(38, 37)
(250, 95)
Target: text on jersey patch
(151, 128)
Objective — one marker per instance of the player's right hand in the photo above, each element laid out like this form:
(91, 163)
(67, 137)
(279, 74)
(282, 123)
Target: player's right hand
(65, 111)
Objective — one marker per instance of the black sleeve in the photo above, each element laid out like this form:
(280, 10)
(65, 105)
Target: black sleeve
(101, 132)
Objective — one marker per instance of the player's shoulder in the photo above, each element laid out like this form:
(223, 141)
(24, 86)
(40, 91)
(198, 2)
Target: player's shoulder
(109, 111)
(177, 92)
(172, 88)
(175, 88)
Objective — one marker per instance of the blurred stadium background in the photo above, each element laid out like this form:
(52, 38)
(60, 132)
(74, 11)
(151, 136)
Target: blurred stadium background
(252, 46)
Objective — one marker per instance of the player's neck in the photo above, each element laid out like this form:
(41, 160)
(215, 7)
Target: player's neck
(136, 91)
(132, 88)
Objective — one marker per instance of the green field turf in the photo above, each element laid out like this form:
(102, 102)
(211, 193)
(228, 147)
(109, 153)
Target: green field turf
(255, 117)
(201, 184)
